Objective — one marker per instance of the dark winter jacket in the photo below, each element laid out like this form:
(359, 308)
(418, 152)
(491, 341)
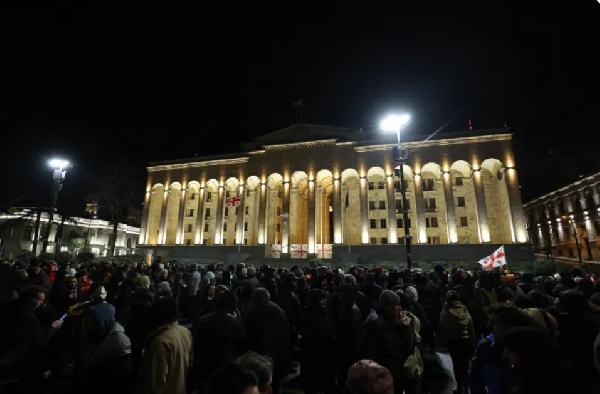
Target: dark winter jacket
(430, 299)
(490, 372)
(318, 354)
(268, 333)
(289, 302)
(40, 279)
(388, 344)
(456, 323)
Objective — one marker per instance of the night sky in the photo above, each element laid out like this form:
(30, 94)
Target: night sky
(97, 82)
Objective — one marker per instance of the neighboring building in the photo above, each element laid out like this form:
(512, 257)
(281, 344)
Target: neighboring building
(314, 185)
(553, 220)
(18, 232)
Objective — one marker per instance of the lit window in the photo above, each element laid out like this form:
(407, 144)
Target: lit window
(64, 248)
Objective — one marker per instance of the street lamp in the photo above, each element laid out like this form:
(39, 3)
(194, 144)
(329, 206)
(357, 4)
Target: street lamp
(60, 170)
(396, 123)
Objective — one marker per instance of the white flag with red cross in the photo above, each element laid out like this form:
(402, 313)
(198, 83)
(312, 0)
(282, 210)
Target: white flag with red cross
(496, 259)
(325, 251)
(233, 202)
(299, 251)
(276, 251)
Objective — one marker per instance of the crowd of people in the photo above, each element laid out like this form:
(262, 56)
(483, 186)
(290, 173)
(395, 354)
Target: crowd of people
(98, 328)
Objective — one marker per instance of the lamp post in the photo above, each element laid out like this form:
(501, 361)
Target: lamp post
(396, 123)
(60, 170)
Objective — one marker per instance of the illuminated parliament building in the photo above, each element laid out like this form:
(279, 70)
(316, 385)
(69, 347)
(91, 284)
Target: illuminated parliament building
(311, 191)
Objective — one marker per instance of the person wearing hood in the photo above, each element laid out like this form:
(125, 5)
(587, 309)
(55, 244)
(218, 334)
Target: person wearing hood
(251, 278)
(164, 290)
(318, 348)
(103, 359)
(268, 333)
(388, 340)
(168, 354)
(137, 324)
(219, 338)
(456, 329)
(270, 283)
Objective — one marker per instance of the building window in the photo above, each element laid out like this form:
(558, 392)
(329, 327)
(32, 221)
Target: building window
(189, 228)
(225, 227)
(278, 227)
(188, 242)
(371, 205)
(401, 240)
(408, 205)
(247, 192)
(237, 210)
(463, 221)
(431, 222)
(384, 241)
(571, 254)
(208, 196)
(205, 242)
(28, 233)
(224, 242)
(381, 204)
(235, 226)
(464, 240)
(245, 241)
(458, 181)
(428, 185)
(398, 206)
(383, 223)
(461, 202)
(430, 205)
(192, 196)
(380, 185)
(399, 223)
(246, 226)
(373, 241)
(373, 223)
(397, 186)
(207, 213)
(206, 227)
(279, 194)
(433, 240)
(190, 213)
(64, 248)
(247, 210)
(226, 213)
(371, 186)
(278, 211)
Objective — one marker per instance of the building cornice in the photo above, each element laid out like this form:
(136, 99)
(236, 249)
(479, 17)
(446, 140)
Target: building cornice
(441, 142)
(563, 191)
(299, 145)
(219, 162)
(77, 222)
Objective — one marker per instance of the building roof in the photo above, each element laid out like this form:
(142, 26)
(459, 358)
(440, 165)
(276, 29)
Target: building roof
(320, 134)
(570, 188)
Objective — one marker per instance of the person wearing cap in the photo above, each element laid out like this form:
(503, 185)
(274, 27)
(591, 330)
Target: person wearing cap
(368, 377)
(388, 341)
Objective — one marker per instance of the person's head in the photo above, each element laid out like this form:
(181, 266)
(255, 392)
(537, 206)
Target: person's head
(526, 345)
(225, 300)
(71, 282)
(290, 280)
(233, 379)
(260, 296)
(144, 282)
(35, 266)
(389, 305)
(368, 377)
(163, 289)
(503, 318)
(133, 276)
(163, 311)
(261, 366)
(451, 297)
(572, 302)
(33, 294)
(98, 321)
(317, 300)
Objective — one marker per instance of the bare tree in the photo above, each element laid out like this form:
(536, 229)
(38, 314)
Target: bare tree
(114, 189)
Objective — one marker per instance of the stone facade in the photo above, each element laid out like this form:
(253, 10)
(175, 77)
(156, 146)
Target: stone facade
(311, 184)
(17, 233)
(555, 219)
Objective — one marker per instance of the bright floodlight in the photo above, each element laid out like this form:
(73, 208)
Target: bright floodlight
(394, 122)
(58, 163)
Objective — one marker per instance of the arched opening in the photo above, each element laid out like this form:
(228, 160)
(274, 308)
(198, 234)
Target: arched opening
(274, 209)
(211, 201)
(351, 214)
(323, 208)
(172, 214)
(465, 204)
(251, 209)
(299, 209)
(497, 201)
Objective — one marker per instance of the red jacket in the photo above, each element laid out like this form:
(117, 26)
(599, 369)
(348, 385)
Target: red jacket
(52, 268)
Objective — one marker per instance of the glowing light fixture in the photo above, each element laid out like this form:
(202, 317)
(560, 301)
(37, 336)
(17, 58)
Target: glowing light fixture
(59, 164)
(394, 122)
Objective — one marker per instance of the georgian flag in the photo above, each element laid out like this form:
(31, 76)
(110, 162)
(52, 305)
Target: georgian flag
(496, 259)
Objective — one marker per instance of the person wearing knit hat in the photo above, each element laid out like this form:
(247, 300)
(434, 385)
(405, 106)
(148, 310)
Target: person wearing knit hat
(163, 289)
(368, 377)
(412, 293)
(144, 282)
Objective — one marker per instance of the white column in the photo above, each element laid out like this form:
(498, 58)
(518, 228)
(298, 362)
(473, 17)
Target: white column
(336, 201)
(199, 236)
(312, 248)
(450, 212)
(391, 207)
(262, 225)
(180, 227)
(219, 221)
(239, 234)
(163, 219)
(364, 211)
